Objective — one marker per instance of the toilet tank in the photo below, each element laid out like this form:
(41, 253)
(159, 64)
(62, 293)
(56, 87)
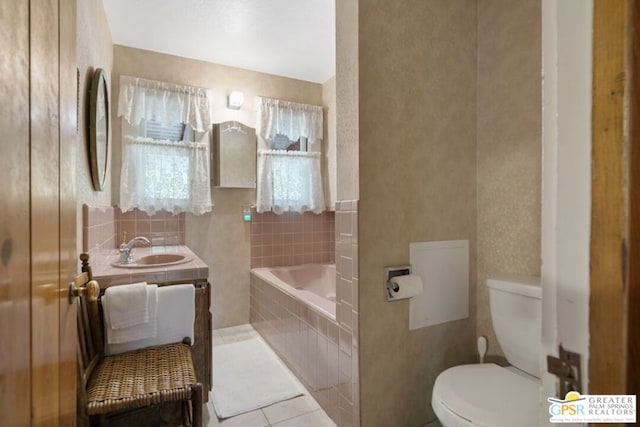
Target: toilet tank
(516, 311)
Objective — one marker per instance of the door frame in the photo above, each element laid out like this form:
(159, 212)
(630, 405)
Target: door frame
(614, 309)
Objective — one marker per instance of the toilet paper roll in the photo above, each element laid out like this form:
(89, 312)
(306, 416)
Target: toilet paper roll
(406, 286)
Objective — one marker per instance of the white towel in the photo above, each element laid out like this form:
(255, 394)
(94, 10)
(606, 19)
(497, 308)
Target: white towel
(175, 319)
(127, 305)
(137, 332)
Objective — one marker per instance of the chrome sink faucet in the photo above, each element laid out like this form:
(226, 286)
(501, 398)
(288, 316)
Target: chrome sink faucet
(125, 249)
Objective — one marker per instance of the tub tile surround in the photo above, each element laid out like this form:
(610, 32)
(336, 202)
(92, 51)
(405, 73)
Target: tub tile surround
(322, 352)
(291, 238)
(103, 227)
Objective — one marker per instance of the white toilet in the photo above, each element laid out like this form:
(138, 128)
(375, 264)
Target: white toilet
(490, 395)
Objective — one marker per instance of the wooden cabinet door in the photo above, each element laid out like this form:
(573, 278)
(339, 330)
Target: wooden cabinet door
(38, 213)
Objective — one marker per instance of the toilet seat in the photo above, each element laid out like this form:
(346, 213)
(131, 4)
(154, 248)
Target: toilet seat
(485, 395)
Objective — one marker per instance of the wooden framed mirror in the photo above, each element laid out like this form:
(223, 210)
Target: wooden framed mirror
(98, 128)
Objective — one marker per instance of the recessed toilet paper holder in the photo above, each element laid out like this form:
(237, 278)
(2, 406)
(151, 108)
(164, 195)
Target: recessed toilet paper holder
(391, 272)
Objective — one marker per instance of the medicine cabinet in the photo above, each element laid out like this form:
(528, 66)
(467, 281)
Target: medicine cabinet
(233, 155)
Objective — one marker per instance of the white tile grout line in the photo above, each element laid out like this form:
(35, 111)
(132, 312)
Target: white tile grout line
(318, 409)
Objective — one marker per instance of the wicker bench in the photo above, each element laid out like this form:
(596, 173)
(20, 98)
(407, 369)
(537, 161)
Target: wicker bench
(131, 380)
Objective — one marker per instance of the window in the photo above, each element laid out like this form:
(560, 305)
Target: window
(165, 147)
(172, 132)
(289, 174)
(281, 142)
(289, 181)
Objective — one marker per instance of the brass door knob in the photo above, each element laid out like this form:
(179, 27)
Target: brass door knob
(91, 291)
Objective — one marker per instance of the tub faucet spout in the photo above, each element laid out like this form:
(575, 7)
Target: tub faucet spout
(126, 257)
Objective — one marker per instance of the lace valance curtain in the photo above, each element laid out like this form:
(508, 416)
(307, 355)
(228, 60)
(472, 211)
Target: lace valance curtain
(291, 119)
(142, 99)
(289, 181)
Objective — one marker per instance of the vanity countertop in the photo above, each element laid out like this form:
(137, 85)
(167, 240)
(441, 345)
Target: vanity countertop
(108, 275)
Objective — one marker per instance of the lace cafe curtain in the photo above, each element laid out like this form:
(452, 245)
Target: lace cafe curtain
(289, 181)
(164, 170)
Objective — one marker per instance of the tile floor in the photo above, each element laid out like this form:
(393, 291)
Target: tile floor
(301, 411)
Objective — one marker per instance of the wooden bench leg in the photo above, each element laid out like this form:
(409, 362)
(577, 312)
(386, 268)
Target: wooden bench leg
(186, 413)
(98, 421)
(196, 404)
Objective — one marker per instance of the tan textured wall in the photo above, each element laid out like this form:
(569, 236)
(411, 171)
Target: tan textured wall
(347, 99)
(329, 163)
(220, 238)
(417, 153)
(509, 146)
(94, 50)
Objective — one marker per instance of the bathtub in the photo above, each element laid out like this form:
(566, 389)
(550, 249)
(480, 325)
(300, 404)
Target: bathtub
(312, 284)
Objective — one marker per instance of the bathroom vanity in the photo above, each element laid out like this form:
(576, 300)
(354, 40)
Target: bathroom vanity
(166, 266)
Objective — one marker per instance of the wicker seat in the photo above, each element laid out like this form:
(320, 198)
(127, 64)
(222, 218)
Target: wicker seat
(134, 379)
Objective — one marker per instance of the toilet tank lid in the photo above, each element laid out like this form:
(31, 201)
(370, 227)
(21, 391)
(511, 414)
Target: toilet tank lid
(520, 285)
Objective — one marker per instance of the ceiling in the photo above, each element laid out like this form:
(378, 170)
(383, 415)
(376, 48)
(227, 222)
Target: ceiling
(290, 38)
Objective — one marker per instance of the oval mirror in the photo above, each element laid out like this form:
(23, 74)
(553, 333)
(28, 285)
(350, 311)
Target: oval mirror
(98, 128)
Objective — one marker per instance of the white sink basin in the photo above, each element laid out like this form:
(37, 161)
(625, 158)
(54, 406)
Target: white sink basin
(156, 260)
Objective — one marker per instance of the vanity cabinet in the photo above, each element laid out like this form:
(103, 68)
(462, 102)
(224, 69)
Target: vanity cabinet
(195, 272)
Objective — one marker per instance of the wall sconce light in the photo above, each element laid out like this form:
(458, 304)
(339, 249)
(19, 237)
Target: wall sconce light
(235, 100)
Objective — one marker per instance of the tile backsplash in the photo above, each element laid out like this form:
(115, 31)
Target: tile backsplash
(162, 228)
(105, 227)
(99, 228)
(291, 238)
